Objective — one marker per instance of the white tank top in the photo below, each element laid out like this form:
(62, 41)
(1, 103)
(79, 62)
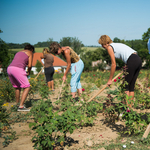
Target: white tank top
(122, 51)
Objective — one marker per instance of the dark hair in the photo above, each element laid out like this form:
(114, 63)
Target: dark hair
(54, 47)
(29, 47)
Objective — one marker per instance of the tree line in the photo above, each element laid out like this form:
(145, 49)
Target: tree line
(139, 45)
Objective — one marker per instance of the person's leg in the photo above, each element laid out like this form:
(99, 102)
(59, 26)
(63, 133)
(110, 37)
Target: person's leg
(47, 76)
(73, 84)
(80, 68)
(79, 91)
(76, 70)
(131, 95)
(73, 94)
(52, 84)
(49, 85)
(133, 71)
(17, 93)
(24, 95)
(51, 77)
(23, 81)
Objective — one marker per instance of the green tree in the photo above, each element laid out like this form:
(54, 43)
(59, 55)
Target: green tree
(89, 56)
(146, 35)
(116, 40)
(38, 66)
(5, 55)
(49, 41)
(74, 43)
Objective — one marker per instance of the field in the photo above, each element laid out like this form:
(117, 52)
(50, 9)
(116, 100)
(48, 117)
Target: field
(72, 124)
(39, 50)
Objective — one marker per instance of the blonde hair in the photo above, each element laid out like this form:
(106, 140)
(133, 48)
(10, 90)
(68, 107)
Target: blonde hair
(104, 39)
(46, 50)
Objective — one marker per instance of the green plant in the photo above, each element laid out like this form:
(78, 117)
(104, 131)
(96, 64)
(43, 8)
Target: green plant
(51, 127)
(9, 138)
(134, 123)
(7, 92)
(44, 91)
(44, 125)
(34, 87)
(38, 66)
(5, 129)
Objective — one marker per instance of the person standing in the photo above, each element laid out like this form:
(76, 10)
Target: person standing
(18, 75)
(128, 56)
(48, 68)
(74, 64)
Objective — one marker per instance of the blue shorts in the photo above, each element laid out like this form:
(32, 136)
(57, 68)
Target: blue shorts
(76, 70)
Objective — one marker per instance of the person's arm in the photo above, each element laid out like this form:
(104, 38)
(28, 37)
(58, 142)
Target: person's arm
(30, 62)
(42, 57)
(68, 59)
(113, 64)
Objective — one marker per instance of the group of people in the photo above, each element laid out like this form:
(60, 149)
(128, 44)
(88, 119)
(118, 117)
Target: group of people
(18, 75)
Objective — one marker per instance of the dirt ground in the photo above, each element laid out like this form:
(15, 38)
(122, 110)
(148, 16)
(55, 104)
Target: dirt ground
(88, 136)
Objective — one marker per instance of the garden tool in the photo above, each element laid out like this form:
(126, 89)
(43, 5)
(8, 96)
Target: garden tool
(105, 86)
(39, 73)
(61, 89)
(146, 133)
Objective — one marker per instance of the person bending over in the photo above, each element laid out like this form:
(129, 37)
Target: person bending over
(18, 75)
(74, 64)
(128, 56)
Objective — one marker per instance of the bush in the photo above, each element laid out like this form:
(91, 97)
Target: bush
(7, 92)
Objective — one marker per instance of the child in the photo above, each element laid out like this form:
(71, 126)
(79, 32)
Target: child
(74, 62)
(48, 68)
(128, 56)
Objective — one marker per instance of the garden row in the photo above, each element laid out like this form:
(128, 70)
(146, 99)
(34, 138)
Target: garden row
(51, 125)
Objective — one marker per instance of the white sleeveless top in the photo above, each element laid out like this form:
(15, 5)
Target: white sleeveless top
(122, 51)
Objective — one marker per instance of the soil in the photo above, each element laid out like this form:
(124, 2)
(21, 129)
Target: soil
(97, 134)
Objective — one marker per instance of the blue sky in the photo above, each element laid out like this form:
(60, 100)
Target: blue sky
(38, 20)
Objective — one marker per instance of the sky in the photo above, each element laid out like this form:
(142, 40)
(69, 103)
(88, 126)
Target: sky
(36, 21)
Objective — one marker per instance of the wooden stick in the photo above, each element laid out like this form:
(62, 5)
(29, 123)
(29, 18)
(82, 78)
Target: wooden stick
(39, 73)
(146, 132)
(105, 87)
(61, 89)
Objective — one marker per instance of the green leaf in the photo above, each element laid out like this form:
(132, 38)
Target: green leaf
(32, 124)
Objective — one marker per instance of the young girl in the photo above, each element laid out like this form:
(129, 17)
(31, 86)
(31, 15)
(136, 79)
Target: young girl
(48, 68)
(129, 57)
(74, 62)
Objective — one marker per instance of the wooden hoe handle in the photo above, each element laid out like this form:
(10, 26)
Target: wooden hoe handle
(105, 87)
(146, 132)
(39, 73)
(61, 89)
